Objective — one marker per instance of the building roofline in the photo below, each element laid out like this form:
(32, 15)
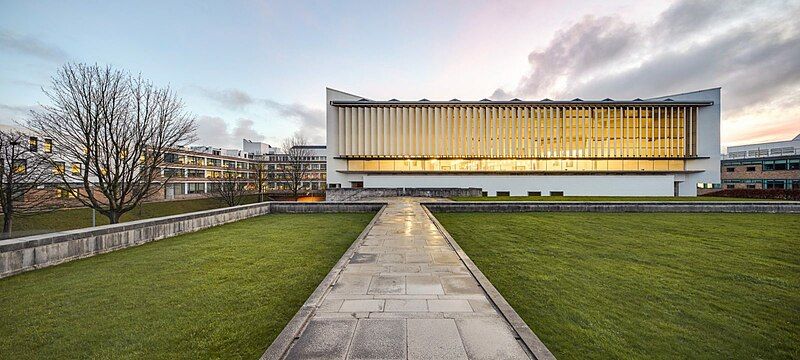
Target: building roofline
(343, 92)
(367, 103)
(685, 93)
(760, 144)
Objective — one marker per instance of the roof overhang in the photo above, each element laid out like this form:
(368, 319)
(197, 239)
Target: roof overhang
(370, 103)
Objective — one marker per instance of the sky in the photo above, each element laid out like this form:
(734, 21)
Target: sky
(259, 69)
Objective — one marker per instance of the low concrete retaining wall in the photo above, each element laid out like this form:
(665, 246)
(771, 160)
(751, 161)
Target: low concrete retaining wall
(325, 207)
(358, 194)
(38, 251)
(673, 207)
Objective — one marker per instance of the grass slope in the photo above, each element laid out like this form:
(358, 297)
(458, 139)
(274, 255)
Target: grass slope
(645, 286)
(60, 220)
(601, 198)
(224, 292)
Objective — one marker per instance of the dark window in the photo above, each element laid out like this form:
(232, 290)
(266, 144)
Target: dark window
(195, 188)
(484, 193)
(768, 166)
(776, 184)
(780, 165)
(751, 168)
(503, 193)
(169, 172)
(171, 158)
(751, 186)
(556, 193)
(794, 164)
(730, 169)
(534, 193)
(795, 184)
(196, 173)
(730, 186)
(357, 184)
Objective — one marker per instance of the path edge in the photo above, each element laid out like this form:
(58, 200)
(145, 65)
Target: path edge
(531, 341)
(295, 326)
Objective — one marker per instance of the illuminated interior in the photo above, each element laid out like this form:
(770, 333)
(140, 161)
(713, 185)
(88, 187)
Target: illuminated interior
(512, 165)
(525, 131)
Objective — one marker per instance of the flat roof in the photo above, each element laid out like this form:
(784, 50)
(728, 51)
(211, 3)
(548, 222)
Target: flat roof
(576, 102)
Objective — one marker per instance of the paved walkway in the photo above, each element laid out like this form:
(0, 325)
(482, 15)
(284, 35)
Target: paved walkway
(405, 294)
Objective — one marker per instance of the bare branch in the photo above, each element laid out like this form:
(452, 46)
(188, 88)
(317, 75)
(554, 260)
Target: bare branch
(294, 167)
(116, 128)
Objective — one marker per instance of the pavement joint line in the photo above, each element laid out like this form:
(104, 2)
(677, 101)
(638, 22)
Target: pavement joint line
(291, 332)
(446, 279)
(531, 342)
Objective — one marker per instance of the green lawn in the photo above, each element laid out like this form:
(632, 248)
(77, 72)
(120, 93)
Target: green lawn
(224, 292)
(601, 198)
(645, 286)
(77, 218)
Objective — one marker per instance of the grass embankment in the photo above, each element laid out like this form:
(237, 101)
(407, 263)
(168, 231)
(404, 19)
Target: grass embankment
(645, 286)
(60, 220)
(601, 198)
(224, 292)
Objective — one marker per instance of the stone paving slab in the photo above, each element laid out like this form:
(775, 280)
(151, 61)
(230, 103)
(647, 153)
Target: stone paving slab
(405, 293)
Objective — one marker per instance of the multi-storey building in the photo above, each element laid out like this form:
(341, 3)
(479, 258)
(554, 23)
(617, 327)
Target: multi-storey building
(314, 164)
(194, 171)
(667, 145)
(773, 165)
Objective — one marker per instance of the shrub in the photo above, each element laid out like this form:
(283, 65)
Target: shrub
(783, 194)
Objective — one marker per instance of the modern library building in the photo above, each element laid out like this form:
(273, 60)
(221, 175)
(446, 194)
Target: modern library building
(661, 146)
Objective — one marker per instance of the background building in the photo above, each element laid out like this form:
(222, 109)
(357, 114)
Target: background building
(314, 163)
(661, 146)
(773, 165)
(193, 171)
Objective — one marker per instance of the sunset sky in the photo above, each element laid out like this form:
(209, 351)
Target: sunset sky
(259, 69)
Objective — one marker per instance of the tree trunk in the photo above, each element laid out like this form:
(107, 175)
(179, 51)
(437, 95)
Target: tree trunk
(113, 217)
(7, 220)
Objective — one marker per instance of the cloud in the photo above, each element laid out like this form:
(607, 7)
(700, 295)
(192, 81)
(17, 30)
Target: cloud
(310, 121)
(230, 98)
(215, 131)
(750, 49)
(12, 114)
(29, 45)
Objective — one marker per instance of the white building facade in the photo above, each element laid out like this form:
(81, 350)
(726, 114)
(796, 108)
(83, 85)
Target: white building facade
(656, 147)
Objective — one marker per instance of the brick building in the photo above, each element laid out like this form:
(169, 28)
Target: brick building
(773, 165)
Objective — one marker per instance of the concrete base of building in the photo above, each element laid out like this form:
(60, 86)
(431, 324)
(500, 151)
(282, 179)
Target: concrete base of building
(354, 194)
(522, 185)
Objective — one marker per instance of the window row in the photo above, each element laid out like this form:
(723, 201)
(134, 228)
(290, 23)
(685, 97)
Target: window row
(766, 165)
(489, 165)
(793, 184)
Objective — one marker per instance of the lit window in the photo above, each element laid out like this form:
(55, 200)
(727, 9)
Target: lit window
(33, 144)
(48, 145)
(20, 166)
(59, 168)
(76, 169)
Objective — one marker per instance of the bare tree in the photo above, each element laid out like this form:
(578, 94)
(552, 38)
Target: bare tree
(294, 165)
(261, 180)
(23, 171)
(116, 128)
(228, 188)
